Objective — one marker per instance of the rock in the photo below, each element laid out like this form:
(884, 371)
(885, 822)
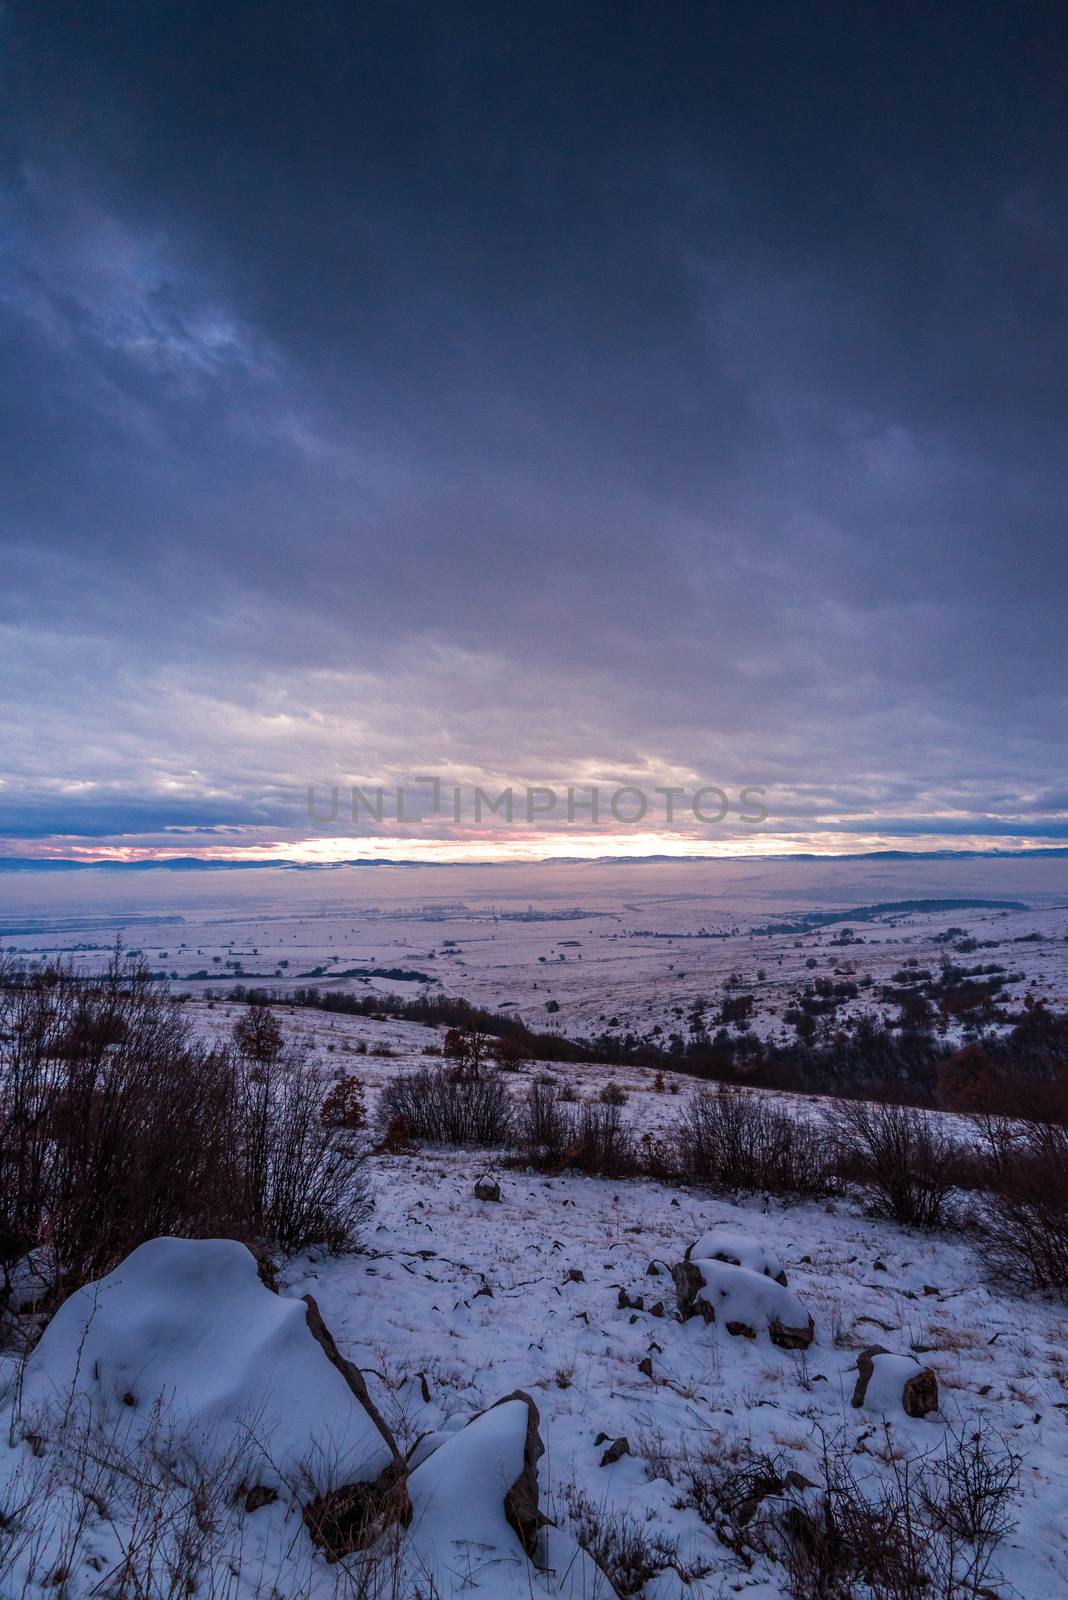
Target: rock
(646, 1366)
(744, 1301)
(625, 1303)
(886, 1381)
(575, 1275)
(797, 1480)
(259, 1496)
(475, 1507)
(487, 1189)
(352, 1375)
(739, 1250)
(521, 1500)
(185, 1339)
(615, 1452)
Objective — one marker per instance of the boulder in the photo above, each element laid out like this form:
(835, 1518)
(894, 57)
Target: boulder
(183, 1337)
(739, 1250)
(487, 1189)
(744, 1301)
(475, 1505)
(887, 1381)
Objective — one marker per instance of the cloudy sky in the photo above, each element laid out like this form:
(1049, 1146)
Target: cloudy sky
(532, 394)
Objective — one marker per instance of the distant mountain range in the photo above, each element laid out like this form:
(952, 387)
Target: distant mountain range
(56, 864)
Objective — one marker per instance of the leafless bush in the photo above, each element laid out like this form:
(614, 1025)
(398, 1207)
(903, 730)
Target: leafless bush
(904, 1159)
(546, 1125)
(926, 1529)
(594, 1139)
(1026, 1206)
(445, 1107)
(118, 1125)
(736, 1139)
(622, 1546)
(302, 1179)
(602, 1143)
(613, 1094)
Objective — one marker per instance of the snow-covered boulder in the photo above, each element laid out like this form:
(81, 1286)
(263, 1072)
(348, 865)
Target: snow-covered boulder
(739, 1249)
(744, 1301)
(183, 1344)
(475, 1518)
(890, 1382)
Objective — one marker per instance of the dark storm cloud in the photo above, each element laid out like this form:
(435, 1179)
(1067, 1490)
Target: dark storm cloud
(542, 384)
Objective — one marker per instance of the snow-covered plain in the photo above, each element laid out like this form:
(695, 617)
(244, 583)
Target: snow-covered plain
(576, 950)
(454, 1303)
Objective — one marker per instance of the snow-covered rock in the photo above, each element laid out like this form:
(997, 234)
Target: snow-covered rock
(744, 1301)
(891, 1382)
(739, 1249)
(183, 1342)
(475, 1523)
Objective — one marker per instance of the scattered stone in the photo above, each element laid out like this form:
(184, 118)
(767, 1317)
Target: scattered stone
(487, 1189)
(886, 1380)
(797, 1480)
(615, 1452)
(576, 1275)
(259, 1496)
(646, 1366)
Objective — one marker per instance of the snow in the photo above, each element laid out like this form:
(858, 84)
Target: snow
(740, 1248)
(460, 1539)
(737, 1295)
(890, 1373)
(454, 1303)
(185, 1328)
(412, 1306)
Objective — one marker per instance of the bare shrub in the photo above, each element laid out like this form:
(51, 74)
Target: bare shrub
(553, 1134)
(903, 1159)
(613, 1094)
(736, 1139)
(302, 1179)
(602, 1144)
(445, 1106)
(624, 1548)
(546, 1125)
(118, 1125)
(1025, 1166)
(928, 1526)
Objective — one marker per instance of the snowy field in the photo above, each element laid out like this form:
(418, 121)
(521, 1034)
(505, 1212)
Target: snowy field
(578, 949)
(563, 1288)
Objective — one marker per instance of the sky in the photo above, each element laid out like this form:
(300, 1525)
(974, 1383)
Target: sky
(590, 394)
